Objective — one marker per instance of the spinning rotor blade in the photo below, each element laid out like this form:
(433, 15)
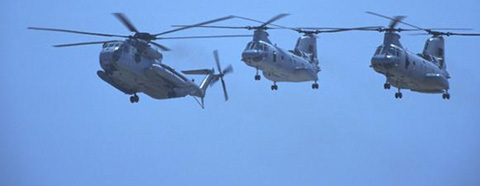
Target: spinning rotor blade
(195, 25)
(202, 37)
(273, 19)
(164, 48)
(397, 19)
(224, 89)
(85, 43)
(462, 34)
(125, 21)
(76, 32)
(269, 22)
(228, 70)
(429, 31)
(217, 61)
(225, 27)
(447, 34)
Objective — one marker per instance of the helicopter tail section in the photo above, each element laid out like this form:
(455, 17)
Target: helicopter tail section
(307, 44)
(434, 51)
(210, 79)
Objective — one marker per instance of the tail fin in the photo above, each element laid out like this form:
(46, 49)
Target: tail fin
(308, 45)
(434, 51)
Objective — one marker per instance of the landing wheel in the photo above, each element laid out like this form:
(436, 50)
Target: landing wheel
(315, 86)
(257, 77)
(134, 99)
(274, 87)
(386, 86)
(398, 95)
(446, 96)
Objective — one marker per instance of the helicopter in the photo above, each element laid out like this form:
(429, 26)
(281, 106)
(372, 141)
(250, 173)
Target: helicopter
(425, 72)
(277, 64)
(133, 65)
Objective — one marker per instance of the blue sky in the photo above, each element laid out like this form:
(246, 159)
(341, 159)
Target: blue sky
(62, 125)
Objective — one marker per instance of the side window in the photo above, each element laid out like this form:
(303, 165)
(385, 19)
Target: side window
(274, 56)
(252, 46)
(391, 51)
(248, 46)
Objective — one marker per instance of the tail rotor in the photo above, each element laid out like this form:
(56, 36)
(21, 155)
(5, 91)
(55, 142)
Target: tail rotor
(221, 74)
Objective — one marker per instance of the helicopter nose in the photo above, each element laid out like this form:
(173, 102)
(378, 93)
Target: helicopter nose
(252, 55)
(385, 62)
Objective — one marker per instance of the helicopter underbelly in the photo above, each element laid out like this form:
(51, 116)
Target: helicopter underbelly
(155, 82)
(292, 76)
(282, 72)
(429, 83)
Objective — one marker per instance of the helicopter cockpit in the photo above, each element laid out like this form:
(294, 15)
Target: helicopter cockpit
(385, 57)
(255, 51)
(111, 46)
(387, 51)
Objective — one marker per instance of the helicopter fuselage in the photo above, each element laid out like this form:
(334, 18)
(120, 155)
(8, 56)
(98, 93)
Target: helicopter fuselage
(279, 65)
(133, 67)
(406, 70)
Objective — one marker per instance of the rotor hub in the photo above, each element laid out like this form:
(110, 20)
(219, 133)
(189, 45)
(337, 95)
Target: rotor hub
(144, 35)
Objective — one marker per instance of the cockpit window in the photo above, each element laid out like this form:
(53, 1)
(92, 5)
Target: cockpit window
(391, 51)
(379, 49)
(256, 46)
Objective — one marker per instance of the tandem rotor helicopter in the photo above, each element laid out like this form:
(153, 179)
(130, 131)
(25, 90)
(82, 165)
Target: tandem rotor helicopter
(277, 64)
(134, 65)
(425, 72)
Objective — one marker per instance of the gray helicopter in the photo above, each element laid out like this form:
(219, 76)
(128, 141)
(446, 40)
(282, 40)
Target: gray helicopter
(279, 65)
(424, 72)
(133, 65)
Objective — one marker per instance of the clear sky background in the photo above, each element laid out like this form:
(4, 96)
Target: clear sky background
(62, 125)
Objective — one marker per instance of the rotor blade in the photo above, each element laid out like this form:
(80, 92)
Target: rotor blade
(125, 21)
(203, 37)
(164, 48)
(217, 61)
(352, 29)
(225, 27)
(85, 43)
(76, 32)
(224, 89)
(228, 70)
(449, 28)
(273, 19)
(195, 25)
(268, 23)
(463, 34)
(337, 28)
(393, 19)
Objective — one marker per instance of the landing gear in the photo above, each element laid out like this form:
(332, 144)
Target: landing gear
(446, 95)
(134, 98)
(386, 86)
(315, 85)
(398, 95)
(257, 77)
(274, 86)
